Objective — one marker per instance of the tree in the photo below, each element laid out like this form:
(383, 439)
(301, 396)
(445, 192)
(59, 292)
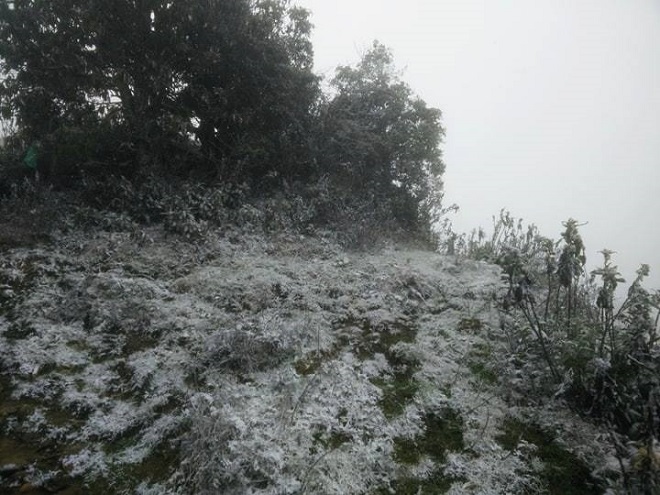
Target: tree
(158, 77)
(249, 86)
(380, 136)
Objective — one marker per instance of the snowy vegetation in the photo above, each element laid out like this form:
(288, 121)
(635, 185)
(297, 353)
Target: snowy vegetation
(572, 340)
(254, 360)
(217, 278)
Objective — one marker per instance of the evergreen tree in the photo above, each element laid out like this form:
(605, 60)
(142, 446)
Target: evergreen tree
(154, 77)
(380, 136)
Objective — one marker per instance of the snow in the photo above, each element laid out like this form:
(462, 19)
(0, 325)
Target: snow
(198, 345)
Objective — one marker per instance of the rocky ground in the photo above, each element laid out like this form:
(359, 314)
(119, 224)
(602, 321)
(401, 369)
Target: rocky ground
(267, 364)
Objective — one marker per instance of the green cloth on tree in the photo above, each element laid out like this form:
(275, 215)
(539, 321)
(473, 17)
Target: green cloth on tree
(32, 156)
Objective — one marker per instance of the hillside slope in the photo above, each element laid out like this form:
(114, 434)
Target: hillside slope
(266, 364)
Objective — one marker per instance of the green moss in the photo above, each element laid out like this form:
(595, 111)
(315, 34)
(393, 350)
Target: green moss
(563, 472)
(481, 350)
(445, 388)
(477, 363)
(484, 374)
(172, 404)
(58, 416)
(19, 330)
(331, 440)
(6, 387)
(396, 395)
(128, 438)
(137, 341)
(15, 452)
(399, 388)
(33, 268)
(60, 371)
(443, 432)
(195, 379)
(78, 345)
(14, 412)
(122, 386)
(158, 467)
(29, 452)
(310, 363)
(441, 308)
(375, 339)
(406, 451)
(470, 324)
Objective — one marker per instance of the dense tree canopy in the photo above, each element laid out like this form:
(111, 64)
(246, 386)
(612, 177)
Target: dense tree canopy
(382, 136)
(235, 75)
(221, 88)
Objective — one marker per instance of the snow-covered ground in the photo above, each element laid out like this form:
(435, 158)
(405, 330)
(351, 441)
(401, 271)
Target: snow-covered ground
(260, 364)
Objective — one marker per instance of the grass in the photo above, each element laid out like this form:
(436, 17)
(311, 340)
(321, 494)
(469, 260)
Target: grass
(398, 390)
(443, 432)
(399, 386)
(563, 472)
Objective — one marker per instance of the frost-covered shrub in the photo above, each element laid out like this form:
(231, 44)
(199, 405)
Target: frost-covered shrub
(30, 213)
(254, 346)
(221, 455)
(180, 220)
(568, 340)
(186, 208)
(142, 200)
(359, 221)
(88, 218)
(510, 236)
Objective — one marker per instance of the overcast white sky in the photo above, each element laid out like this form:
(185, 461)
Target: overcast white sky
(552, 108)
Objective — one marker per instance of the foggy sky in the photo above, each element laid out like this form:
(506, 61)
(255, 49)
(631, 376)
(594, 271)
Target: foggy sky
(552, 108)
